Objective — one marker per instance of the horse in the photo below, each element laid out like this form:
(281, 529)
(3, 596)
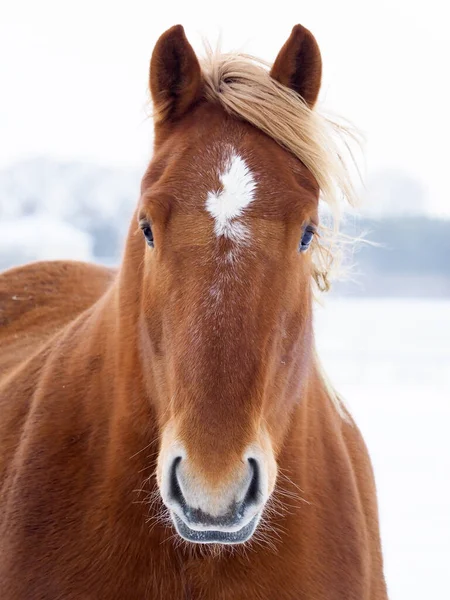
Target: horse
(167, 431)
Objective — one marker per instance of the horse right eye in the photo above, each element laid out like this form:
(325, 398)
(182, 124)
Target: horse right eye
(148, 234)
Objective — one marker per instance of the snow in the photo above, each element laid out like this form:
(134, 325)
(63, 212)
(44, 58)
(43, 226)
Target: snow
(96, 200)
(41, 237)
(67, 190)
(391, 361)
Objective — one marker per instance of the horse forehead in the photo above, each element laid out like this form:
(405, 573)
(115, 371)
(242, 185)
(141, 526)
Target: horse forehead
(229, 195)
(228, 202)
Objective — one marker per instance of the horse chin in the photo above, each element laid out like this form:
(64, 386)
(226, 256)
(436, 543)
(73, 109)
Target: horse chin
(223, 536)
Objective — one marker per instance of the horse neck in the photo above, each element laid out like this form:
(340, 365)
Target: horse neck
(121, 315)
(104, 359)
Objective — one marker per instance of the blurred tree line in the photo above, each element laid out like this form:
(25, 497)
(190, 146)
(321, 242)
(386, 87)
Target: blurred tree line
(406, 255)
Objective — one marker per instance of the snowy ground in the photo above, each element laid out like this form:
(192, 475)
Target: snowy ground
(391, 361)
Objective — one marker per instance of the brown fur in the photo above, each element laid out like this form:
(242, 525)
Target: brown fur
(94, 365)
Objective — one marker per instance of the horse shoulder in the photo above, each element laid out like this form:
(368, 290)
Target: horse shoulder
(37, 299)
(365, 483)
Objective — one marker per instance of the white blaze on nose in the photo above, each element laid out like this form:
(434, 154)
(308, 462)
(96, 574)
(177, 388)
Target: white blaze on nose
(227, 205)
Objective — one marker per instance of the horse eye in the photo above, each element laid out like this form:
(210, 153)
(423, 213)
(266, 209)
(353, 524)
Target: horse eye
(308, 234)
(148, 234)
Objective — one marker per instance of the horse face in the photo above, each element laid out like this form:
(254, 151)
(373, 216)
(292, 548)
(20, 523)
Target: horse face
(228, 216)
(227, 324)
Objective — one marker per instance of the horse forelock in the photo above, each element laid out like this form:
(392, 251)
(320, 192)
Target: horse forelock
(326, 144)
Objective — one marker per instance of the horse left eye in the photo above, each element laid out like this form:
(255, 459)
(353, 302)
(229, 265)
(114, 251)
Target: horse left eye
(308, 234)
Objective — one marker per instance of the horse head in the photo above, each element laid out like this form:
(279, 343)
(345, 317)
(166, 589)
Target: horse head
(228, 215)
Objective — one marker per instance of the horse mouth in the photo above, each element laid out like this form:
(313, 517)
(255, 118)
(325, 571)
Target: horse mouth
(215, 536)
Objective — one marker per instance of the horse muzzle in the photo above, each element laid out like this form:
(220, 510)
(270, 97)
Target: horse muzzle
(220, 513)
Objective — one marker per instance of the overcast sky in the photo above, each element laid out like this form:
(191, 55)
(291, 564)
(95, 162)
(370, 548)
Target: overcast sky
(73, 75)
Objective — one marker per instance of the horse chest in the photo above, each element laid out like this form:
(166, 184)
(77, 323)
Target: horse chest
(157, 573)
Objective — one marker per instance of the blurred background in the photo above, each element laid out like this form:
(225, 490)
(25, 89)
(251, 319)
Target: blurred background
(75, 138)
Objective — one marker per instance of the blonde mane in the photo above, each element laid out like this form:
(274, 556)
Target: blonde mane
(243, 86)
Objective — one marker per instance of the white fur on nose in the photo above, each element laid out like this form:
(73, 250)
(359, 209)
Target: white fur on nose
(229, 204)
(215, 501)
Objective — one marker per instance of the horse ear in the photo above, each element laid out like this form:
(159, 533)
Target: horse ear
(299, 65)
(175, 75)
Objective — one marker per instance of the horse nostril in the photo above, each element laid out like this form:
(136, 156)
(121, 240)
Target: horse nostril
(174, 487)
(254, 489)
